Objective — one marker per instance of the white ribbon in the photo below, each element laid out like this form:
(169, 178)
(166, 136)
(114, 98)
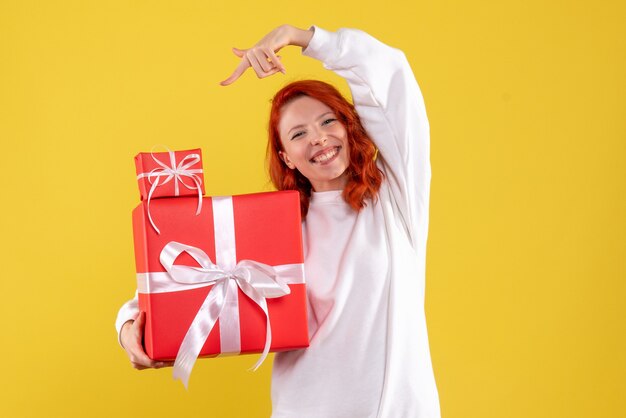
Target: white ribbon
(226, 257)
(176, 173)
(257, 280)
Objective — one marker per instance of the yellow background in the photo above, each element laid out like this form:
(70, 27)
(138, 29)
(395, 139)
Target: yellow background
(525, 271)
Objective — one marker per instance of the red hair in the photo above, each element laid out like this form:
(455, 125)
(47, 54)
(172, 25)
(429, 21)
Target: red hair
(364, 177)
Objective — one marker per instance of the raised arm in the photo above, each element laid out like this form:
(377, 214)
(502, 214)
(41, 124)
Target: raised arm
(391, 107)
(386, 96)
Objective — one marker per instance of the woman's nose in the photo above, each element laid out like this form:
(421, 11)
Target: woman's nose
(319, 138)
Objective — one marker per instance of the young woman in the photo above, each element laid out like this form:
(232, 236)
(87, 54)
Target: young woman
(363, 173)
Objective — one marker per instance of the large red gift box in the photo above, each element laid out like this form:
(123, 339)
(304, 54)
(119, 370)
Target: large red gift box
(265, 227)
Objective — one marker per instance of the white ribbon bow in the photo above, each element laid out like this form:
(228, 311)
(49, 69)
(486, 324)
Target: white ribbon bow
(176, 173)
(257, 280)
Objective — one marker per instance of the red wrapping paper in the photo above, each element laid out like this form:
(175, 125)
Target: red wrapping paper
(145, 164)
(267, 230)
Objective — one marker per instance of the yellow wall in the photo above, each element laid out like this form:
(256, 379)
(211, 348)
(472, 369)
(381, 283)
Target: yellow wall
(525, 270)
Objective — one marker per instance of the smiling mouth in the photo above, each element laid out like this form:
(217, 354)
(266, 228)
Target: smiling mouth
(326, 156)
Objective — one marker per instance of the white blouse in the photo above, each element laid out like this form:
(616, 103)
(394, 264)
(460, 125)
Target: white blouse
(369, 354)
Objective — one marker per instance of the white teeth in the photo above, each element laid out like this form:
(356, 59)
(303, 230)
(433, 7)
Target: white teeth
(326, 156)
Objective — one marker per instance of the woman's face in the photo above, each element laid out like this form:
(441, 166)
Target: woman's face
(315, 143)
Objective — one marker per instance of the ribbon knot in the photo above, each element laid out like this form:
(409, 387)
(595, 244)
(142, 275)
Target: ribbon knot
(176, 173)
(257, 280)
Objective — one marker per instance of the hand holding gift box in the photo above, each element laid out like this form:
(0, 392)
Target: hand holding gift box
(227, 279)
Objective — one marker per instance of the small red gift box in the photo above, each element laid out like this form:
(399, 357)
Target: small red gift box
(238, 299)
(171, 173)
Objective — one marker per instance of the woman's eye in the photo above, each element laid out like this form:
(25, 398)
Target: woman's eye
(302, 133)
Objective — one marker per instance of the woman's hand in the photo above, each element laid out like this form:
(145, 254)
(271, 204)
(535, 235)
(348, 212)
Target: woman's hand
(262, 56)
(131, 336)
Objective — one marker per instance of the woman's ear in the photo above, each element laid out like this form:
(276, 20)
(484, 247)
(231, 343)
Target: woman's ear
(286, 160)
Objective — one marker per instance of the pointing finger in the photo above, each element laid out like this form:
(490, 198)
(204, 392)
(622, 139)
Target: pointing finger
(241, 68)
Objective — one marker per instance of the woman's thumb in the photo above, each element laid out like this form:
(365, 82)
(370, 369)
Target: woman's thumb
(238, 52)
(141, 320)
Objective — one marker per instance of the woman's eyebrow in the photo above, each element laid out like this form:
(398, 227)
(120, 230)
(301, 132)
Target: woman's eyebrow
(300, 126)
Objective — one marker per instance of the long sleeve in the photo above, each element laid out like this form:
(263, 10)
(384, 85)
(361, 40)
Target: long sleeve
(391, 107)
(128, 311)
